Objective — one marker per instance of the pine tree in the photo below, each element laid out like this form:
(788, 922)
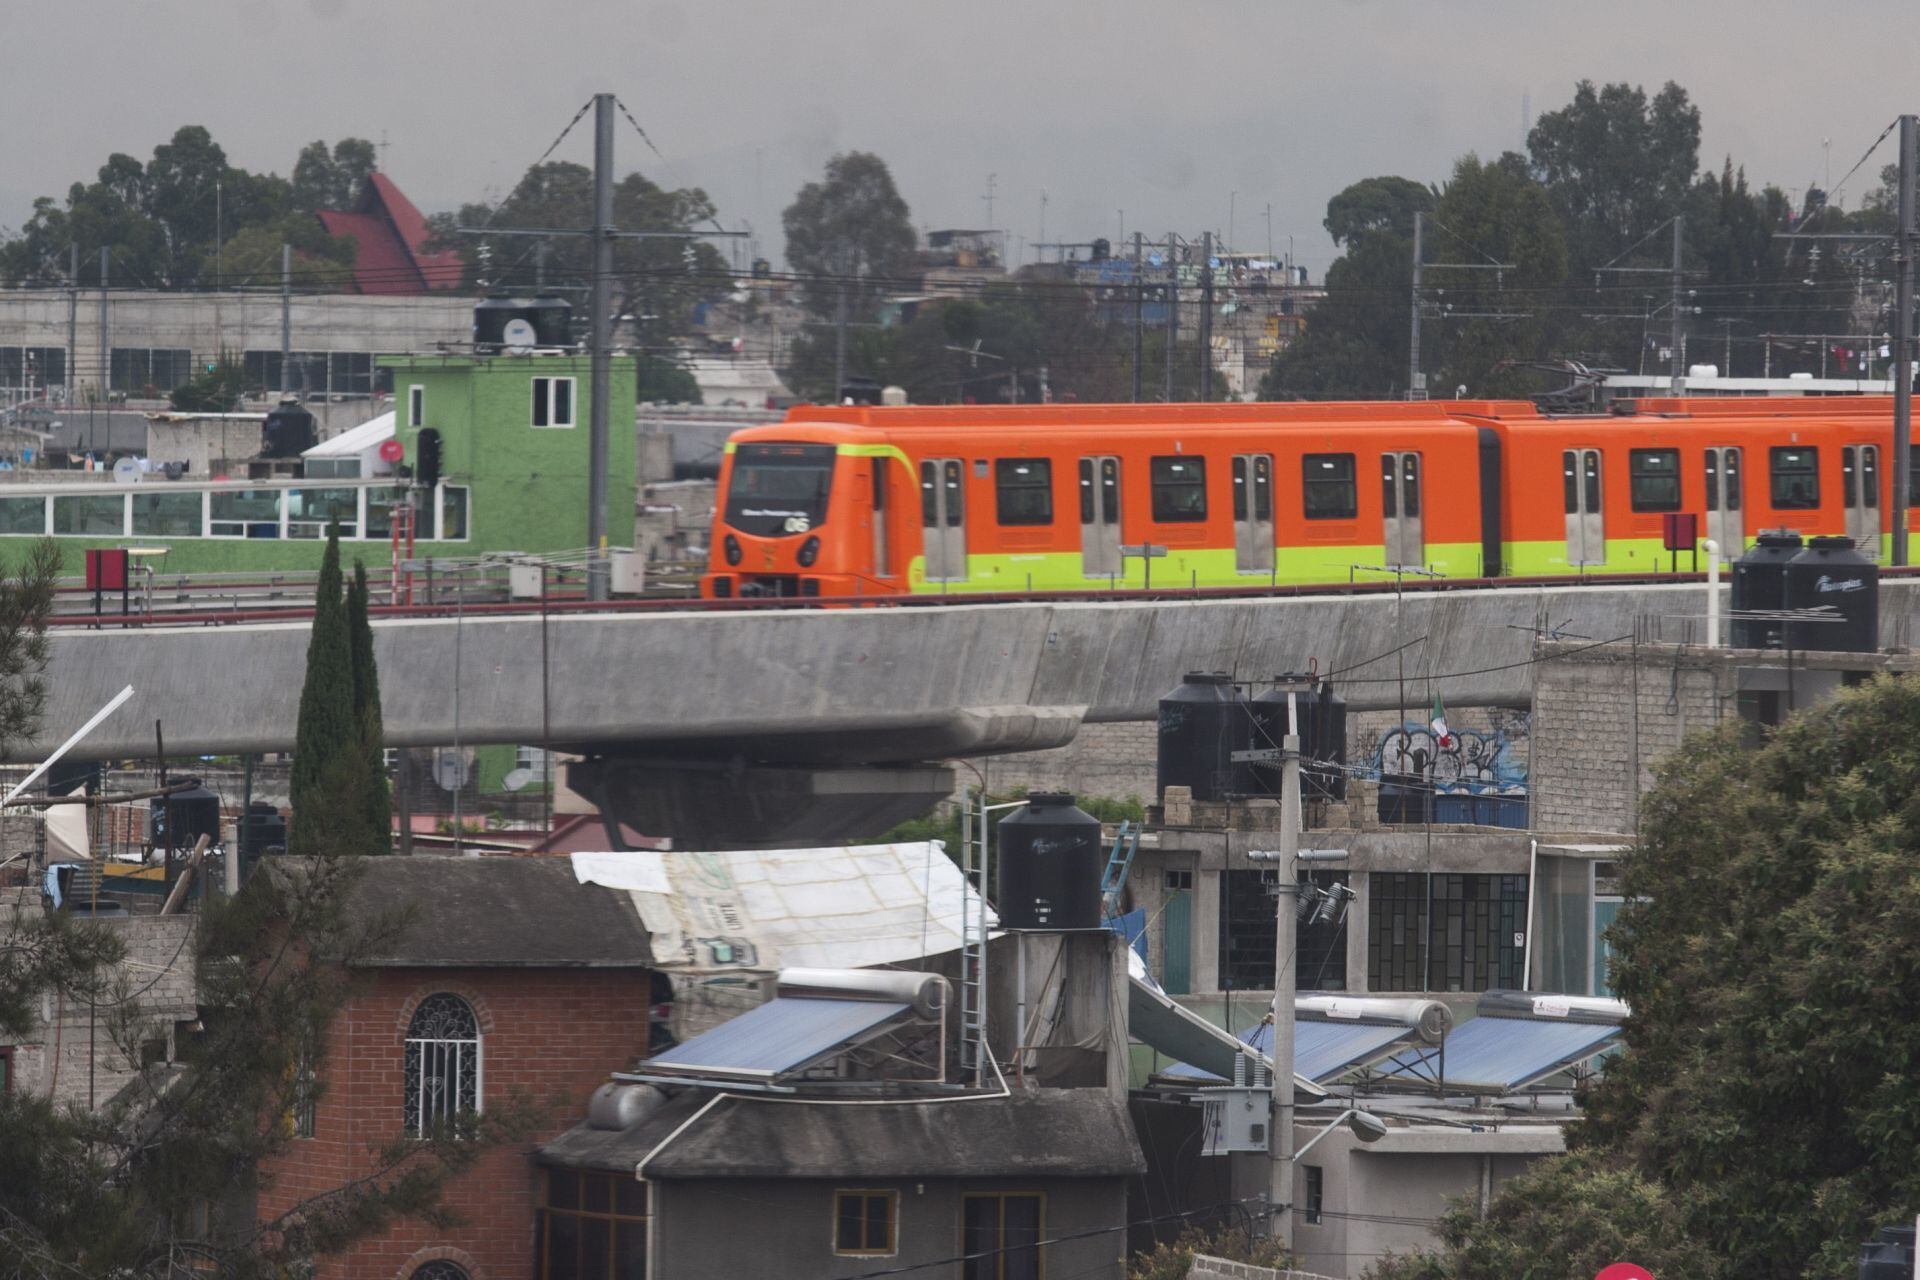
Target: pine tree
(366, 711)
(328, 728)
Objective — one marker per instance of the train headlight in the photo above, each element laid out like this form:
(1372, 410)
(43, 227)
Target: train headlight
(809, 552)
(732, 548)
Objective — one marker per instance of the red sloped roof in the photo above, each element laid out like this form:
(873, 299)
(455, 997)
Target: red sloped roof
(391, 235)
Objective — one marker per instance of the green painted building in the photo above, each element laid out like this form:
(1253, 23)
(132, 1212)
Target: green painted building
(513, 477)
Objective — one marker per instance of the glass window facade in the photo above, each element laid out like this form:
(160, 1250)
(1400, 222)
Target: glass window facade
(90, 515)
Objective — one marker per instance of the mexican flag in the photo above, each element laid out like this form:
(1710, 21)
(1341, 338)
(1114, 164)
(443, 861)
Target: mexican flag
(1438, 724)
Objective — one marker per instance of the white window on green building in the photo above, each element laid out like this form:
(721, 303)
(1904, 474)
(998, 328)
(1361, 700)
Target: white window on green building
(553, 402)
(23, 516)
(309, 511)
(102, 515)
(167, 515)
(244, 513)
(416, 405)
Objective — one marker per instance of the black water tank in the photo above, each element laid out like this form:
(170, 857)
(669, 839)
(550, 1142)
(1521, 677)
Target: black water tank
(1889, 1255)
(550, 317)
(288, 431)
(1323, 737)
(186, 815)
(1831, 573)
(1202, 723)
(1051, 862)
(261, 828)
(1760, 582)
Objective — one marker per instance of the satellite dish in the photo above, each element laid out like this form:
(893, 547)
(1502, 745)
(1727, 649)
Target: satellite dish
(1154, 260)
(519, 336)
(517, 778)
(126, 471)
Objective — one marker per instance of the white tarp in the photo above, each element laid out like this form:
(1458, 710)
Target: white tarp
(766, 909)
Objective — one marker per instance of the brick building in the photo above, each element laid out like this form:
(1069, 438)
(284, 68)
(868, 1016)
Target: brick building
(511, 985)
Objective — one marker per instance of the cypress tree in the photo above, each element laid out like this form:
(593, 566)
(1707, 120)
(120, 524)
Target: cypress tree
(328, 729)
(378, 800)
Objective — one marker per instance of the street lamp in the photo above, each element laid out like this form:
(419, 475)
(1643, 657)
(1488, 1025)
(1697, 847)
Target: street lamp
(1363, 1125)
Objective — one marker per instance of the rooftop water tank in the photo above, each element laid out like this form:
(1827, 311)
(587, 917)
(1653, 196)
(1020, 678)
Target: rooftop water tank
(1760, 584)
(288, 431)
(1202, 723)
(1830, 573)
(1322, 715)
(176, 821)
(546, 322)
(1051, 861)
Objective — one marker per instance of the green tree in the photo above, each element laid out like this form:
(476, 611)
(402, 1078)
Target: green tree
(377, 800)
(661, 381)
(328, 730)
(1377, 204)
(1616, 163)
(215, 390)
(1770, 950)
(332, 180)
(851, 226)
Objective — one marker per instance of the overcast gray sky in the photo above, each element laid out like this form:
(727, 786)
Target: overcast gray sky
(1162, 110)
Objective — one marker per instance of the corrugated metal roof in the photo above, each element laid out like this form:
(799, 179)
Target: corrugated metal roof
(782, 1036)
(1321, 1050)
(1498, 1055)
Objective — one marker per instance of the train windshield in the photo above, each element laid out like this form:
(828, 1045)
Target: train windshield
(779, 489)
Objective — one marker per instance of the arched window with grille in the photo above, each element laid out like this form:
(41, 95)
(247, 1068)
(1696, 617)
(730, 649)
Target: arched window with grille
(440, 1269)
(443, 1062)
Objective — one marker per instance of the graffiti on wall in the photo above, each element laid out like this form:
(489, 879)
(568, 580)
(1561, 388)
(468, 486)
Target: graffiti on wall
(1474, 760)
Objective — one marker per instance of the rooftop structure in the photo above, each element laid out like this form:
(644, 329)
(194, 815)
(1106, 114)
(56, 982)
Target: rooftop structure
(391, 237)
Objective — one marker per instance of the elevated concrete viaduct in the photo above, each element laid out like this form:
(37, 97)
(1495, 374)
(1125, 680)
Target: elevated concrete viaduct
(797, 724)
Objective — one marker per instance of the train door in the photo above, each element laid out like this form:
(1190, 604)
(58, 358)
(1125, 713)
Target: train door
(1253, 512)
(1726, 517)
(1860, 490)
(879, 515)
(1586, 521)
(943, 518)
(1404, 540)
(1100, 517)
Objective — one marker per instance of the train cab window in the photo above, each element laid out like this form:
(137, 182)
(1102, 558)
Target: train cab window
(1796, 478)
(779, 489)
(1327, 486)
(1024, 490)
(1179, 490)
(1654, 479)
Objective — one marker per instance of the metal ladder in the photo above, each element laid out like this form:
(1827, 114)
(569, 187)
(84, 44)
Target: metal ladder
(1126, 843)
(973, 949)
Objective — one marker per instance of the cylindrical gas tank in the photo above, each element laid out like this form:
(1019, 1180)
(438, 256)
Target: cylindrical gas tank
(1322, 715)
(1831, 573)
(1760, 583)
(1051, 861)
(1202, 723)
(176, 821)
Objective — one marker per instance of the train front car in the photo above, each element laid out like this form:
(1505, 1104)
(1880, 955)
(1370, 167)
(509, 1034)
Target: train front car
(792, 517)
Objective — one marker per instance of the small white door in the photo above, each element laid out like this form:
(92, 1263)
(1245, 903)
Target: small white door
(1860, 491)
(1400, 507)
(1586, 521)
(1253, 512)
(943, 519)
(1100, 517)
(1726, 516)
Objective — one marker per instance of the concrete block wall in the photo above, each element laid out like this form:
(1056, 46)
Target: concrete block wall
(1604, 717)
(74, 1056)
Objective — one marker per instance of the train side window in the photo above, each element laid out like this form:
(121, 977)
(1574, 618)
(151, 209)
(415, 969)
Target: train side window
(929, 494)
(1570, 476)
(1592, 469)
(1262, 487)
(1846, 476)
(1086, 491)
(1796, 477)
(1654, 479)
(1389, 505)
(1869, 477)
(1179, 490)
(1239, 488)
(1023, 490)
(1110, 481)
(956, 495)
(1327, 486)
(1410, 469)
(1733, 479)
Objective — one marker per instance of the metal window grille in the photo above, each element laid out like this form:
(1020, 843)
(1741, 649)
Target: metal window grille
(1472, 941)
(443, 1063)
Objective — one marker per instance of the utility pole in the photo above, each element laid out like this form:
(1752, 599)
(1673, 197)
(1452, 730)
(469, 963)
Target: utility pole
(1285, 927)
(73, 320)
(1903, 344)
(840, 337)
(1678, 381)
(1173, 312)
(1416, 381)
(1206, 316)
(597, 578)
(1139, 308)
(106, 357)
(286, 316)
